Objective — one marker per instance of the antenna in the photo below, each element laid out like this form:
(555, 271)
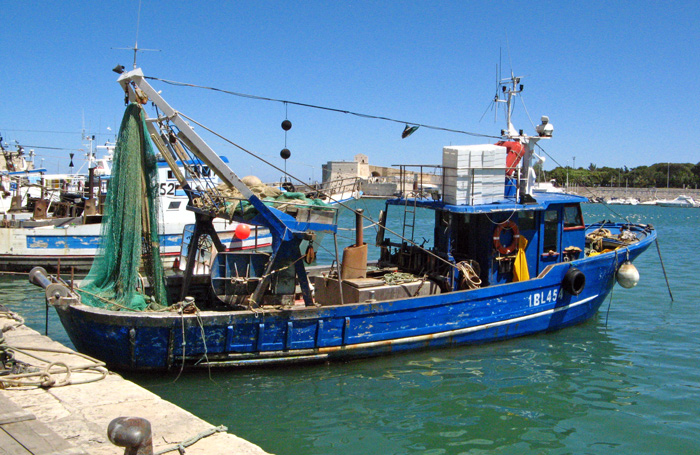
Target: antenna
(498, 83)
(508, 93)
(510, 60)
(493, 101)
(136, 41)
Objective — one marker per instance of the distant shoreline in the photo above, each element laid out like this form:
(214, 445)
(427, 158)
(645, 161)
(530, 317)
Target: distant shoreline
(641, 194)
(606, 193)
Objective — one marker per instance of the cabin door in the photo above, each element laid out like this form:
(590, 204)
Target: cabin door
(549, 233)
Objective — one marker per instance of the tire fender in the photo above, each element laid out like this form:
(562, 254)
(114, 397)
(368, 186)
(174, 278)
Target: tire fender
(574, 281)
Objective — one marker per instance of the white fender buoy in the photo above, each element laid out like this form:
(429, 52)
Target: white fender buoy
(627, 275)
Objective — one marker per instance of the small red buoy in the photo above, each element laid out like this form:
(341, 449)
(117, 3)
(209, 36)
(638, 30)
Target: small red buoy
(242, 231)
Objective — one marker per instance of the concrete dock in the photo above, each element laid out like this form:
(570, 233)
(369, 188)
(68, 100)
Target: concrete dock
(73, 418)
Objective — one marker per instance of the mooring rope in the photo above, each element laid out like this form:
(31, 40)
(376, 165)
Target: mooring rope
(612, 290)
(663, 268)
(26, 375)
(188, 442)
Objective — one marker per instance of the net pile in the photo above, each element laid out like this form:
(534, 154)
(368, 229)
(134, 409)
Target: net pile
(130, 226)
(273, 197)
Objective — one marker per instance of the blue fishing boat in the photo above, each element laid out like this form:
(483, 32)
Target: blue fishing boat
(503, 262)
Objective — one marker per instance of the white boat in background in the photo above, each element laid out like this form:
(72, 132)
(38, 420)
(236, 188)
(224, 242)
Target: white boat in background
(14, 168)
(22, 184)
(61, 218)
(682, 201)
(623, 201)
(547, 187)
(51, 219)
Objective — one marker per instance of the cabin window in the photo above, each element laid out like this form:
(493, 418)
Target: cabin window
(170, 174)
(174, 205)
(551, 230)
(572, 217)
(526, 220)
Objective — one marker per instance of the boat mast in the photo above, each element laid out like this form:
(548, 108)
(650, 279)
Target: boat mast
(510, 131)
(287, 232)
(511, 87)
(201, 148)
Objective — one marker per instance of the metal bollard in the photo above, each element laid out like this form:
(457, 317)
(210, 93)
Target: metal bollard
(134, 433)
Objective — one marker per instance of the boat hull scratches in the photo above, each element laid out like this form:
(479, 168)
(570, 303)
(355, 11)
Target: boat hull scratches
(160, 354)
(460, 337)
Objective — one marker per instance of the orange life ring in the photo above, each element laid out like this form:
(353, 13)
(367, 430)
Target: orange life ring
(497, 237)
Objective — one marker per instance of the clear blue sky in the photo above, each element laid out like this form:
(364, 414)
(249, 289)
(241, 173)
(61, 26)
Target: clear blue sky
(616, 78)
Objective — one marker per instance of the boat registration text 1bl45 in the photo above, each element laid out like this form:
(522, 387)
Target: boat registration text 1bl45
(542, 297)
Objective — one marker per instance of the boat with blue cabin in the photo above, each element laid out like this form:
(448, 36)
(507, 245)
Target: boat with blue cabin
(503, 262)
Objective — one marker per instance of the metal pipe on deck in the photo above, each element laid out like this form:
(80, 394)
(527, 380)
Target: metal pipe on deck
(358, 227)
(39, 277)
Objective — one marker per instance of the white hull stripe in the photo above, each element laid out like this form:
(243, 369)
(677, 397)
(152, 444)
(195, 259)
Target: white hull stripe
(456, 332)
(272, 357)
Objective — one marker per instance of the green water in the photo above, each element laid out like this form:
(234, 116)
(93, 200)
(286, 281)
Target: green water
(626, 382)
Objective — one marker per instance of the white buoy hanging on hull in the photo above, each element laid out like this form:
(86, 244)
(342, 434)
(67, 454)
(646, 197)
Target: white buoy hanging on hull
(627, 275)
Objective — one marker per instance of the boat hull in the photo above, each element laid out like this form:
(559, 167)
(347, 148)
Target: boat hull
(154, 341)
(682, 205)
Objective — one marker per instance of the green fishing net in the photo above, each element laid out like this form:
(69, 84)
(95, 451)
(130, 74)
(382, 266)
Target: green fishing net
(130, 226)
(246, 210)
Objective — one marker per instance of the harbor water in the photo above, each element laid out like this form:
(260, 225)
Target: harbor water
(625, 382)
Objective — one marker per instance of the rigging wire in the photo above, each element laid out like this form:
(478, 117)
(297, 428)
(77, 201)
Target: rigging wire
(241, 148)
(314, 106)
(560, 165)
(607, 206)
(342, 111)
(342, 204)
(527, 112)
(663, 268)
(612, 290)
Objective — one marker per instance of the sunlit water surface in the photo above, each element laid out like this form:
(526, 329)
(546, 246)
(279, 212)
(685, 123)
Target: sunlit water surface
(626, 382)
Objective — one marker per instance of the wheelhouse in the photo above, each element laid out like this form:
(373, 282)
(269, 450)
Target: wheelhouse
(489, 237)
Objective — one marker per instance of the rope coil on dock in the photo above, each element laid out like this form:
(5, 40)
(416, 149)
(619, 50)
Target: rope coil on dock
(50, 373)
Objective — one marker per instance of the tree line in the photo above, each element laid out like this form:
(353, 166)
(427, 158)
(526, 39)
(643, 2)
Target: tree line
(659, 175)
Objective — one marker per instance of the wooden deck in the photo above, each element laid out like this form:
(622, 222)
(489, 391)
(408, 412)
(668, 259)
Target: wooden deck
(22, 434)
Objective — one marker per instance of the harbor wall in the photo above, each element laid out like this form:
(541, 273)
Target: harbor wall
(642, 194)
(604, 192)
(380, 189)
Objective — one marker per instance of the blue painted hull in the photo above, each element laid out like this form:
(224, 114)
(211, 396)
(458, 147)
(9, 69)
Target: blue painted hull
(153, 341)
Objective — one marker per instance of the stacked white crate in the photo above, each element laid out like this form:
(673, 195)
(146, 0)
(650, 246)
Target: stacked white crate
(473, 174)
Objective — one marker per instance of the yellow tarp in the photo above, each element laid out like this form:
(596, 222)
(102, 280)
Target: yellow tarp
(520, 272)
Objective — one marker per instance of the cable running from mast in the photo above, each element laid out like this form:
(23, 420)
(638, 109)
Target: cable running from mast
(313, 106)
